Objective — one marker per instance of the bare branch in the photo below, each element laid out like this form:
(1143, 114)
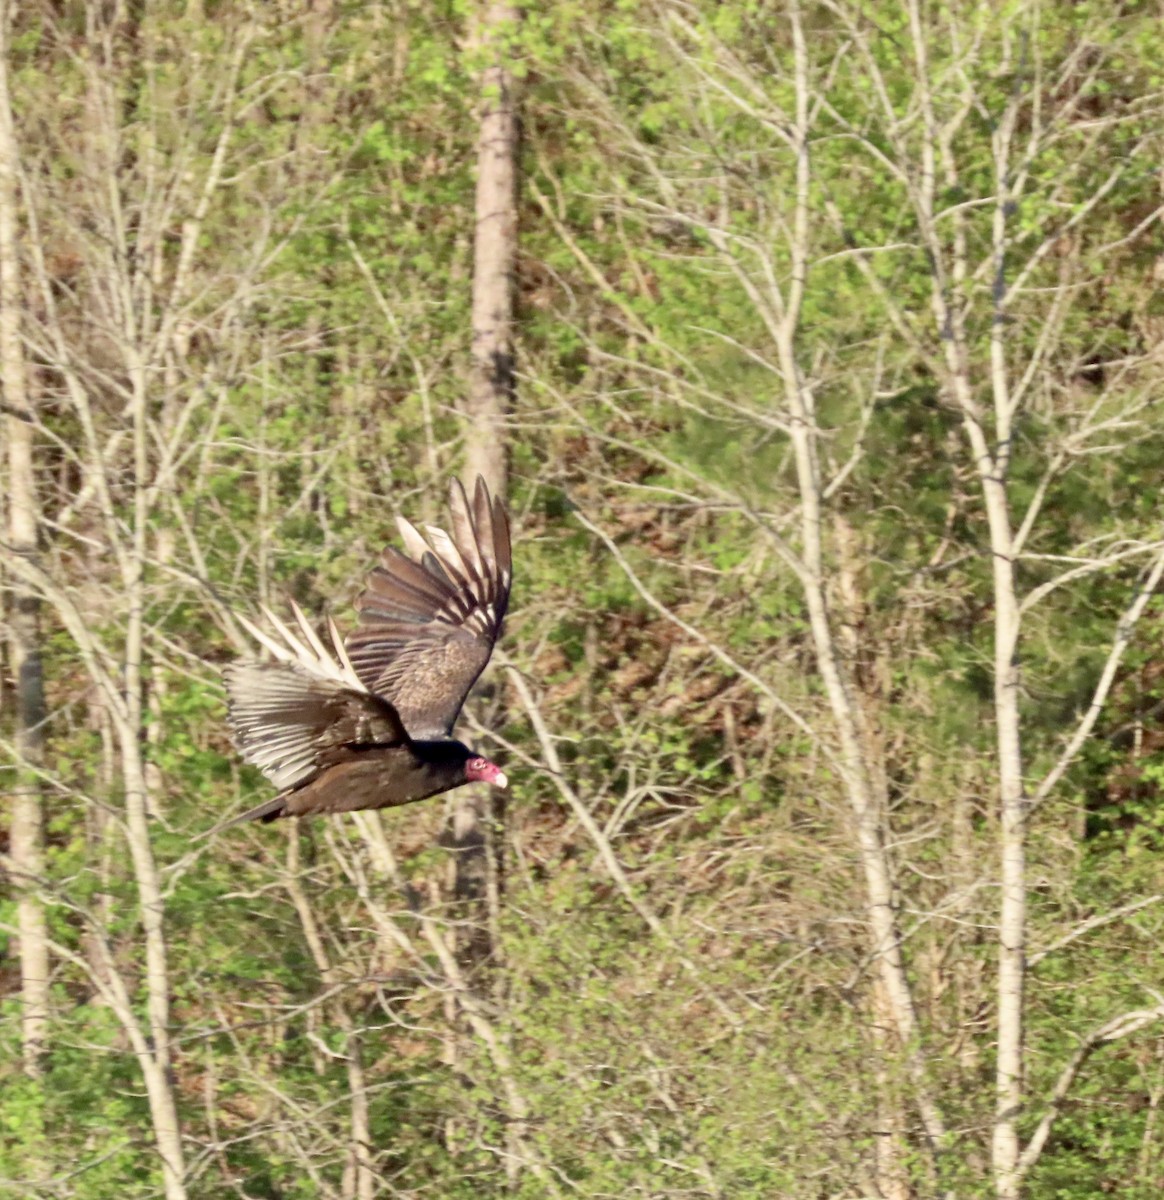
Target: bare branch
(1123, 637)
(1114, 1030)
(1091, 924)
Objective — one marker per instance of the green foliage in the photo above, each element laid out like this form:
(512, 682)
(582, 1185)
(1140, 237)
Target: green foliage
(321, 395)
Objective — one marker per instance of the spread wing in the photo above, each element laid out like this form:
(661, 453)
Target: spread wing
(428, 620)
(291, 716)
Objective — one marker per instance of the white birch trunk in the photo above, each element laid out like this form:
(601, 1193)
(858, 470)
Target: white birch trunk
(26, 830)
(868, 817)
(160, 1079)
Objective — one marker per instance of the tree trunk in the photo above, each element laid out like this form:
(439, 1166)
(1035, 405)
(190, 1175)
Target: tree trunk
(26, 833)
(1012, 815)
(490, 394)
(479, 813)
(491, 381)
(359, 1177)
(159, 1082)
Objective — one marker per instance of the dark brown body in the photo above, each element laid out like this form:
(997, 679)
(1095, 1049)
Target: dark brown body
(378, 777)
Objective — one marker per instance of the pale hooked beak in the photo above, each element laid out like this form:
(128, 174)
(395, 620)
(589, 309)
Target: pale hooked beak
(499, 780)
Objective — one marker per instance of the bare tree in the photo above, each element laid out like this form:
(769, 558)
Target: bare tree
(770, 241)
(130, 446)
(26, 831)
(974, 367)
(476, 835)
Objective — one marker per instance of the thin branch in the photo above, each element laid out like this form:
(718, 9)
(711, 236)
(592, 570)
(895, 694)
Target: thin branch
(1123, 637)
(724, 657)
(1093, 923)
(1112, 1031)
(606, 851)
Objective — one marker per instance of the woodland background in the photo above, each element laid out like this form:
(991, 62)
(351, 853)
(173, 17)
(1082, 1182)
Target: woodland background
(831, 695)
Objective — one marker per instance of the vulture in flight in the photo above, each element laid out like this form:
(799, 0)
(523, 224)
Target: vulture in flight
(370, 725)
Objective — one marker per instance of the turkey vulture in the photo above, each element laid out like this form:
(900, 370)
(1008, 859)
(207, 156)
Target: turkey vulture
(371, 725)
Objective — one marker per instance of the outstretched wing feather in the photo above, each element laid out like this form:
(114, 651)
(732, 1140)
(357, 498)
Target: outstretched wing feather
(465, 533)
(287, 720)
(402, 586)
(414, 542)
(428, 622)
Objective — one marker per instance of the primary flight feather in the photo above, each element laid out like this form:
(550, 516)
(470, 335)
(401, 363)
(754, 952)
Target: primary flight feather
(368, 723)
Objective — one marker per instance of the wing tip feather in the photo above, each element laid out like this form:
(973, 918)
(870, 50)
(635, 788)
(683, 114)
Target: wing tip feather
(445, 585)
